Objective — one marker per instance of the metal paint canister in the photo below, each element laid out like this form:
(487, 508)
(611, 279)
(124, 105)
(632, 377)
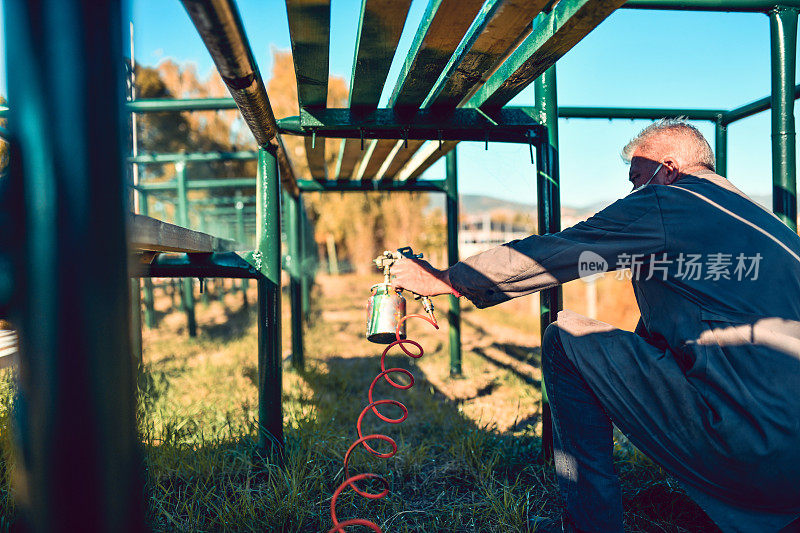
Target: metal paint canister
(385, 308)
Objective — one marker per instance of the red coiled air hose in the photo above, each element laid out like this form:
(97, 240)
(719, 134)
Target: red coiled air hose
(338, 527)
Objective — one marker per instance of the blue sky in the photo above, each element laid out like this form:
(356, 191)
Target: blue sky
(635, 58)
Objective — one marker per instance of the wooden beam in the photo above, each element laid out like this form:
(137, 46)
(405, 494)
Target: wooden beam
(499, 28)
(423, 159)
(310, 35)
(150, 234)
(379, 29)
(443, 26)
(555, 34)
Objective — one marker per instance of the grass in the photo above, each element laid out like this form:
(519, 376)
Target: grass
(467, 456)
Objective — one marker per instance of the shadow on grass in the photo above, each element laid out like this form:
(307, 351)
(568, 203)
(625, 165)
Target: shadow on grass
(445, 458)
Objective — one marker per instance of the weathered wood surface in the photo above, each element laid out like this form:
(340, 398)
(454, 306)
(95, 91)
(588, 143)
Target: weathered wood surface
(150, 234)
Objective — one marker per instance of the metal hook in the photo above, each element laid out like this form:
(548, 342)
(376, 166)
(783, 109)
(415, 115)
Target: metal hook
(202, 284)
(486, 139)
(405, 138)
(361, 131)
(440, 140)
(313, 138)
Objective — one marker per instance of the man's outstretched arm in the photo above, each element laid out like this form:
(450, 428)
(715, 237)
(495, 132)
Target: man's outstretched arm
(631, 225)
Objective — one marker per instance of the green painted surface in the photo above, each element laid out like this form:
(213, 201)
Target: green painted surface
(294, 267)
(783, 34)
(187, 284)
(267, 260)
(709, 5)
(721, 148)
(454, 312)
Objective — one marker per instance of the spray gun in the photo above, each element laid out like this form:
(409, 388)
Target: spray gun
(386, 307)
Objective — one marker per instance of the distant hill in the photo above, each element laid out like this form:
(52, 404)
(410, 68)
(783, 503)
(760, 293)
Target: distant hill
(475, 204)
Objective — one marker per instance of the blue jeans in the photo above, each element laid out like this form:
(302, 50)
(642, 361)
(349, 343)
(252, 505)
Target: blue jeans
(583, 443)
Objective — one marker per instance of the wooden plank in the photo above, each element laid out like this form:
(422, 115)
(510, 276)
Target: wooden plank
(423, 159)
(557, 32)
(310, 35)
(150, 234)
(349, 154)
(379, 29)
(443, 26)
(377, 156)
(554, 35)
(500, 27)
(402, 157)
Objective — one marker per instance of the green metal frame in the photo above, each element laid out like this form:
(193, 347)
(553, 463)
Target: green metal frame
(439, 95)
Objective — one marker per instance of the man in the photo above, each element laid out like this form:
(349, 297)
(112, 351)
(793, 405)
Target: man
(709, 384)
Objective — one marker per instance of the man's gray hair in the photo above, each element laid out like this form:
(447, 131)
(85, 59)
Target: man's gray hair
(690, 145)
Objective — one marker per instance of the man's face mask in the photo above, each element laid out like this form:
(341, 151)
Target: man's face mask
(658, 168)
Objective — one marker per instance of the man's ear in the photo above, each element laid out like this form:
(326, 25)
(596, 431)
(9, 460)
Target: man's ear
(671, 170)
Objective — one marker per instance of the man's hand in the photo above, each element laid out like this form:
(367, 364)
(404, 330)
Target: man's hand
(419, 277)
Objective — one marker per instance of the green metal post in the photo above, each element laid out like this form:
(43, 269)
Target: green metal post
(293, 265)
(64, 260)
(306, 242)
(147, 291)
(549, 208)
(240, 238)
(783, 37)
(187, 294)
(721, 146)
(267, 259)
(204, 295)
(136, 321)
(454, 312)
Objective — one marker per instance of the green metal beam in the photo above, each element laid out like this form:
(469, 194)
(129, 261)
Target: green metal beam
(147, 291)
(502, 125)
(721, 148)
(554, 35)
(200, 157)
(379, 29)
(293, 264)
(498, 28)
(221, 183)
(643, 113)
(753, 108)
(500, 25)
(223, 200)
(182, 211)
(549, 218)
(361, 186)
(454, 311)
(783, 38)
(267, 260)
(443, 25)
(711, 5)
(164, 105)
